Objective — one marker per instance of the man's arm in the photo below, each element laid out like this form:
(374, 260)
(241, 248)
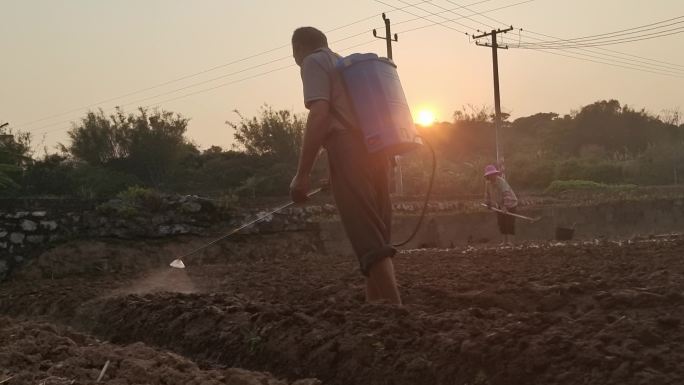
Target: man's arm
(314, 133)
(316, 127)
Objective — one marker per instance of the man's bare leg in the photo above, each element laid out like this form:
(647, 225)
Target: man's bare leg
(372, 294)
(381, 278)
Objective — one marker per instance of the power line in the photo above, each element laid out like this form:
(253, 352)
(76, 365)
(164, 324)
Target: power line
(446, 10)
(395, 8)
(667, 64)
(194, 84)
(246, 69)
(195, 92)
(155, 86)
(185, 77)
(622, 32)
(443, 24)
(655, 35)
(652, 67)
(221, 85)
(602, 62)
(274, 70)
(443, 17)
(476, 13)
(179, 89)
(615, 61)
(213, 69)
(622, 60)
(458, 14)
(459, 18)
(439, 13)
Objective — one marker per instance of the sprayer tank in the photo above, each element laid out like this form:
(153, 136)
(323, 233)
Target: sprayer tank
(377, 98)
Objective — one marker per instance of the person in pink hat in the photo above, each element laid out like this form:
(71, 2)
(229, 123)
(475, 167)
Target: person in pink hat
(500, 194)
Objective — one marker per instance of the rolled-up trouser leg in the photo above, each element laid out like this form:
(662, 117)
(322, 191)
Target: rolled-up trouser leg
(360, 185)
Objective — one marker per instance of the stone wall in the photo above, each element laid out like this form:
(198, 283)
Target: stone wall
(28, 228)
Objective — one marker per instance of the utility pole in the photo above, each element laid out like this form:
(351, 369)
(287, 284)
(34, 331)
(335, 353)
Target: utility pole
(497, 102)
(398, 179)
(388, 36)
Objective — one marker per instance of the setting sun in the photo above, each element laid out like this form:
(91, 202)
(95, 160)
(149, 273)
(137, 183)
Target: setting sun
(425, 117)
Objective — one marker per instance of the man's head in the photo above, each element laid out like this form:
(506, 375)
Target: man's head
(306, 40)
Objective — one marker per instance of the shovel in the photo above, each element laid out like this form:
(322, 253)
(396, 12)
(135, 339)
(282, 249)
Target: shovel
(178, 262)
(535, 219)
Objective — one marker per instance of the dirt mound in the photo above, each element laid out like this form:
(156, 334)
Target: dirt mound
(40, 353)
(604, 313)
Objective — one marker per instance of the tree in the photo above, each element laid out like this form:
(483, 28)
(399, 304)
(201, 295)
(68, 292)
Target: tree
(15, 154)
(6, 179)
(98, 140)
(51, 175)
(147, 145)
(616, 128)
(272, 133)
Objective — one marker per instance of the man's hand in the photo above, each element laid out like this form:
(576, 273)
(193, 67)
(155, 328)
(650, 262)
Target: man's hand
(299, 188)
(314, 134)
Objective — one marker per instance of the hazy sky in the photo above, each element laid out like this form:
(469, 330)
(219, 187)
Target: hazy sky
(63, 55)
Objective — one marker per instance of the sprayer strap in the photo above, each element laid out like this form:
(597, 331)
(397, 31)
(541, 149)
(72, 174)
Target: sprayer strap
(331, 78)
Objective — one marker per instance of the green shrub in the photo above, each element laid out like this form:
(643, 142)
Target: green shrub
(530, 173)
(52, 175)
(558, 186)
(146, 198)
(136, 194)
(100, 182)
(584, 169)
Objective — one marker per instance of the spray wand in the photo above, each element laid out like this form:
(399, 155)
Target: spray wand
(178, 262)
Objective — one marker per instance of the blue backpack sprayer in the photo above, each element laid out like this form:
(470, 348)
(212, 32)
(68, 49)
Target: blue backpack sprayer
(382, 115)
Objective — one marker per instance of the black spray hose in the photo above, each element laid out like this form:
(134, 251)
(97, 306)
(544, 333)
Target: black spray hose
(427, 197)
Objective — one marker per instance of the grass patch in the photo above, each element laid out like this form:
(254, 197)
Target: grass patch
(559, 186)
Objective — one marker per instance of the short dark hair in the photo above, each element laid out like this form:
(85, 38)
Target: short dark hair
(309, 37)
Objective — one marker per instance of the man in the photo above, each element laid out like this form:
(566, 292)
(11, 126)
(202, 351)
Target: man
(359, 180)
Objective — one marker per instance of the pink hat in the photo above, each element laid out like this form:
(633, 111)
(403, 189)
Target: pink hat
(491, 170)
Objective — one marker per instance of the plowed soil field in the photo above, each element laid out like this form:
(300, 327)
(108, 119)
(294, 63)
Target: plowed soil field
(582, 313)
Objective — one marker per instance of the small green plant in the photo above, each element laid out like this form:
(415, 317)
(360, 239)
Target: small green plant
(559, 186)
(228, 201)
(119, 209)
(86, 192)
(253, 340)
(137, 196)
(131, 202)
